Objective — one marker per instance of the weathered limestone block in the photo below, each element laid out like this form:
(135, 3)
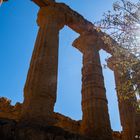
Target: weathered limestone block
(10, 130)
(8, 111)
(81, 25)
(5, 104)
(41, 84)
(67, 123)
(95, 121)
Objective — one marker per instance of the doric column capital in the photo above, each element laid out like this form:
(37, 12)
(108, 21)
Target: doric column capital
(115, 64)
(51, 16)
(86, 42)
(111, 63)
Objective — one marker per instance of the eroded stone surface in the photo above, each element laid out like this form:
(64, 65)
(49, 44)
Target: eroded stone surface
(37, 111)
(8, 111)
(67, 123)
(95, 121)
(10, 130)
(41, 84)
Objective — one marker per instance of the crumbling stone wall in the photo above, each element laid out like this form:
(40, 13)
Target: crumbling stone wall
(11, 130)
(67, 123)
(9, 111)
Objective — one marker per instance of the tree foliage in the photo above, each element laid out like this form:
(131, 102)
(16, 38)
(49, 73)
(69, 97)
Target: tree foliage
(123, 25)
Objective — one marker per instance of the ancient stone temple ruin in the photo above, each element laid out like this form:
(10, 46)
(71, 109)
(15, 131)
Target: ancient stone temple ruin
(35, 119)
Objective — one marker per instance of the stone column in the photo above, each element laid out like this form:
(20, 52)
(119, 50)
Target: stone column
(41, 84)
(95, 120)
(126, 101)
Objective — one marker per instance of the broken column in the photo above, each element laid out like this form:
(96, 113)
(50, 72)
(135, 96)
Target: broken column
(41, 84)
(95, 121)
(126, 98)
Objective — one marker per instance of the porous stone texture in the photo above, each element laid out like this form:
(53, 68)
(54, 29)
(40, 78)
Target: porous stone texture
(65, 128)
(9, 111)
(10, 130)
(41, 84)
(95, 120)
(35, 118)
(67, 123)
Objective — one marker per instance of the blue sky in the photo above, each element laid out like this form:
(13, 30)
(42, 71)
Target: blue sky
(18, 30)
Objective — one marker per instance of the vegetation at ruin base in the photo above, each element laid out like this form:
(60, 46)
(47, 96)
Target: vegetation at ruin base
(123, 25)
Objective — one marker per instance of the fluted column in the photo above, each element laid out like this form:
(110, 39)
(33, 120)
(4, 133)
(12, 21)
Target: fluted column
(126, 101)
(41, 84)
(95, 120)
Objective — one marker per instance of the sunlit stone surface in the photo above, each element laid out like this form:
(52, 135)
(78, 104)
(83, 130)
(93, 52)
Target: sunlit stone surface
(35, 119)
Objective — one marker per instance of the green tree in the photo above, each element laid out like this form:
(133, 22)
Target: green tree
(123, 25)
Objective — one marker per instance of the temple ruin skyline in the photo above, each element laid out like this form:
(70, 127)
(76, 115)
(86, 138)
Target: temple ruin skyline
(40, 115)
(21, 61)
